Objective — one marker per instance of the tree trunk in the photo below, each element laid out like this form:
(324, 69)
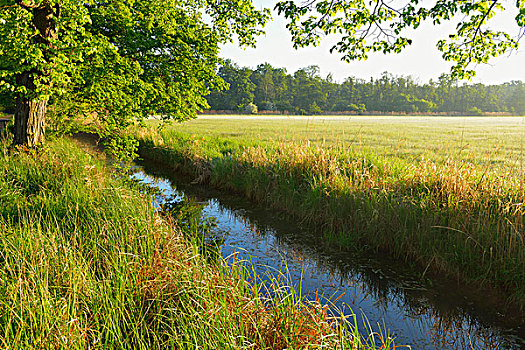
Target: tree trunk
(30, 112)
(30, 122)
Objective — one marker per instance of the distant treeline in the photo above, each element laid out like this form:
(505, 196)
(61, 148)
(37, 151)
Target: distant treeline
(272, 89)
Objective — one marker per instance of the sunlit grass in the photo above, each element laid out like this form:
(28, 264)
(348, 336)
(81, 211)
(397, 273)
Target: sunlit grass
(446, 193)
(485, 141)
(87, 263)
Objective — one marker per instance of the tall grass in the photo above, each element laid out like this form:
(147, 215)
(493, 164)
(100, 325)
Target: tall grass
(87, 263)
(450, 216)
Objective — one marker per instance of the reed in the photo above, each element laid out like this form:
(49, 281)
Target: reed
(450, 214)
(87, 262)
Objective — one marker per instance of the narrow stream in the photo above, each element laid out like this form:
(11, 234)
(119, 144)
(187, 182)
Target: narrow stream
(423, 312)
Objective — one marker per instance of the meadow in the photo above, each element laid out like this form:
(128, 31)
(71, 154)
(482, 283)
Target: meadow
(87, 262)
(443, 193)
(484, 141)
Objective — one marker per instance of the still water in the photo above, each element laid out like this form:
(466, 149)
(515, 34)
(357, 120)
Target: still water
(417, 310)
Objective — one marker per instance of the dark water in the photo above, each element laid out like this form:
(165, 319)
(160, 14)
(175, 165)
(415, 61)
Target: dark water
(388, 296)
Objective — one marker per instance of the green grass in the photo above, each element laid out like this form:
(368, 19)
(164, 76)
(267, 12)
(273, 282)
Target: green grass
(86, 262)
(484, 141)
(446, 193)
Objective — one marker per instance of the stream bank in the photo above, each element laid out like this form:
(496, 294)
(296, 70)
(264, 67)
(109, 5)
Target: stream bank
(426, 313)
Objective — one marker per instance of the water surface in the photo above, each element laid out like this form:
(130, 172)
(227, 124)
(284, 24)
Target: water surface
(422, 311)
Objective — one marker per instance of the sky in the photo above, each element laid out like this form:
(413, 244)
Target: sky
(421, 60)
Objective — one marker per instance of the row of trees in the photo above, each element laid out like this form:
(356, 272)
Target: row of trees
(306, 92)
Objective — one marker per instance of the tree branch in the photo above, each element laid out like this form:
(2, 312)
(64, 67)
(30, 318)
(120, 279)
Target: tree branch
(478, 28)
(25, 5)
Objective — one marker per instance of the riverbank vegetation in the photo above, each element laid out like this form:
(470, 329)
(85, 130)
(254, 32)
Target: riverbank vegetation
(88, 263)
(453, 206)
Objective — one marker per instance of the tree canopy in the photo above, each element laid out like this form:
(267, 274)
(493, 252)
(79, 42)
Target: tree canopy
(306, 92)
(113, 61)
(363, 26)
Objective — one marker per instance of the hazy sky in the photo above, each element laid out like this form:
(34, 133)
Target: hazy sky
(421, 60)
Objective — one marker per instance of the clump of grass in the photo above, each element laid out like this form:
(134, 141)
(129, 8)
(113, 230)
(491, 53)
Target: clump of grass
(87, 262)
(449, 216)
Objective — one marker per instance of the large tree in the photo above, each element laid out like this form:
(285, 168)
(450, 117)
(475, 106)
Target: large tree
(116, 60)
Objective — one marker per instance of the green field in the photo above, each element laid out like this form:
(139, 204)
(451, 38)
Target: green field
(444, 192)
(484, 141)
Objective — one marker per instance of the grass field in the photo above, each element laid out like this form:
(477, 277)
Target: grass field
(446, 193)
(493, 141)
(87, 263)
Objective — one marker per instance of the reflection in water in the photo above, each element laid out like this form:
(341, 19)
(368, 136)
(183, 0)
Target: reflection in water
(425, 313)
(191, 222)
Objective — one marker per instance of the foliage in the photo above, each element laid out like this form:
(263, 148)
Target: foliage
(268, 106)
(111, 63)
(250, 108)
(380, 26)
(474, 111)
(240, 88)
(274, 89)
(313, 108)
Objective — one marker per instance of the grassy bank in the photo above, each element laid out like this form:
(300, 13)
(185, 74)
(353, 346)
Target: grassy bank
(459, 212)
(86, 262)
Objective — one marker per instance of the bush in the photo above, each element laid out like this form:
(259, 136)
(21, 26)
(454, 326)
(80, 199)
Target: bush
(474, 111)
(268, 106)
(250, 108)
(360, 108)
(314, 109)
